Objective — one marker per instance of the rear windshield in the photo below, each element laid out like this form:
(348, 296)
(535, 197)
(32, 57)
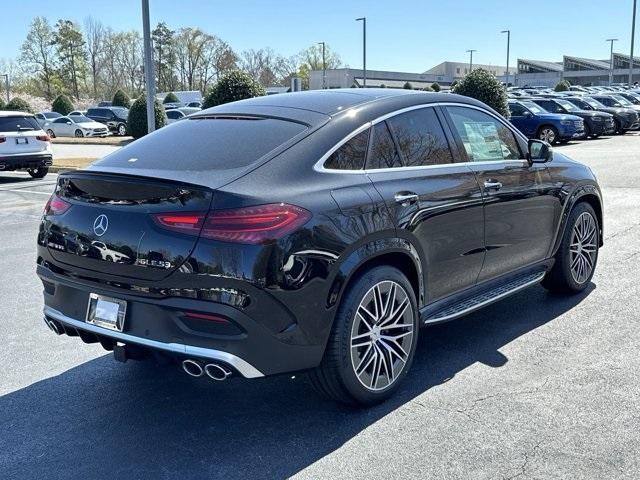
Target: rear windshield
(205, 144)
(18, 122)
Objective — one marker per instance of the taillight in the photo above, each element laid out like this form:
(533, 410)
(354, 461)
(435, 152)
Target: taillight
(252, 225)
(56, 206)
(43, 138)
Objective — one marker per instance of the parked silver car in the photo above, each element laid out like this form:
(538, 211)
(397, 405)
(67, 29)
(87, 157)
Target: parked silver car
(44, 117)
(175, 114)
(76, 126)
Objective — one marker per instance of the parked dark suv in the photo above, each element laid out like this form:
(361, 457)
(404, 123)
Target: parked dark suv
(316, 231)
(595, 123)
(113, 117)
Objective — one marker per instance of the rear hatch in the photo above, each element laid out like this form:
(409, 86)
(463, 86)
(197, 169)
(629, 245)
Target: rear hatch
(21, 134)
(107, 216)
(109, 223)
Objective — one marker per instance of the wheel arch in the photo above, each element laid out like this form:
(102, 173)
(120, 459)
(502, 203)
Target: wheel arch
(396, 252)
(586, 193)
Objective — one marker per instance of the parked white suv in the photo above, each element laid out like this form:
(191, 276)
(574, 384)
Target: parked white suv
(23, 144)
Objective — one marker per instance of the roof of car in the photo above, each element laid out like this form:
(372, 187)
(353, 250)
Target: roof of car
(314, 106)
(12, 113)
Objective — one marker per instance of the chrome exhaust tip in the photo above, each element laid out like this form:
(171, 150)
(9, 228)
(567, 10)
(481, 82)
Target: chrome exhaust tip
(192, 368)
(217, 372)
(53, 326)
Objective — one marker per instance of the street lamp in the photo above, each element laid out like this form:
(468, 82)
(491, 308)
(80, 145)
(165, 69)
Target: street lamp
(611, 60)
(633, 33)
(470, 52)
(508, 32)
(149, 76)
(324, 67)
(364, 49)
(6, 83)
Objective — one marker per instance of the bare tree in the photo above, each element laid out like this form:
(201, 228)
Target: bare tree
(95, 38)
(190, 44)
(38, 53)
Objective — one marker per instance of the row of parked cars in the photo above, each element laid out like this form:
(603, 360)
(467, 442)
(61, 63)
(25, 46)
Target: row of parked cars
(102, 120)
(579, 113)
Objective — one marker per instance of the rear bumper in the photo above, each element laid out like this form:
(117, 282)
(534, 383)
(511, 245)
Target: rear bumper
(247, 343)
(15, 162)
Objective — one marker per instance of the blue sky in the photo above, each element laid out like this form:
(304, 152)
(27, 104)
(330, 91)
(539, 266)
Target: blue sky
(403, 35)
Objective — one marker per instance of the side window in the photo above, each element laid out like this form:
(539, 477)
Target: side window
(60, 120)
(383, 153)
(516, 110)
(552, 107)
(484, 137)
(351, 155)
(420, 138)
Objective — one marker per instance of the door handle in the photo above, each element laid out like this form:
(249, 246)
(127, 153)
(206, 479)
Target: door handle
(492, 185)
(406, 198)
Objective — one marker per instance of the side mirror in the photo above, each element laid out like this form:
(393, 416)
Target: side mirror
(527, 113)
(69, 123)
(539, 151)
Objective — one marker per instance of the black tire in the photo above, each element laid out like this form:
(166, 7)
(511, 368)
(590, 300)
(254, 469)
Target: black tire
(51, 134)
(336, 376)
(561, 279)
(122, 129)
(79, 134)
(587, 131)
(548, 133)
(618, 127)
(39, 172)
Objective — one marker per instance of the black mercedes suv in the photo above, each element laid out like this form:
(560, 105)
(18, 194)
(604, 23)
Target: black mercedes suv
(313, 231)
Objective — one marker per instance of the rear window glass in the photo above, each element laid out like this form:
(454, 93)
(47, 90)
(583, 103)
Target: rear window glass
(205, 144)
(13, 124)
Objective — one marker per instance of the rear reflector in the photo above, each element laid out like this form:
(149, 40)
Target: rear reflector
(43, 138)
(252, 225)
(56, 206)
(206, 316)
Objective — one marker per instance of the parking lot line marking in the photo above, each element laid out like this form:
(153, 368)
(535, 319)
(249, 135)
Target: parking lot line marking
(24, 191)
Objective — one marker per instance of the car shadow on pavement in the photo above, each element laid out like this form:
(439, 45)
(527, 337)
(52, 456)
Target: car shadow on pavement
(107, 420)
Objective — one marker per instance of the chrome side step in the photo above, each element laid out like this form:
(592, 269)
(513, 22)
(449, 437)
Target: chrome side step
(485, 298)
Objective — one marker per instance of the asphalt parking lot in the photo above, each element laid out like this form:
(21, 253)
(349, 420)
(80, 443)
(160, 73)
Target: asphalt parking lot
(536, 386)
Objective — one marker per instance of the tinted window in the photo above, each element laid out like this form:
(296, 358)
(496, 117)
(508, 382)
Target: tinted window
(483, 136)
(52, 115)
(351, 155)
(205, 144)
(383, 153)
(174, 115)
(420, 138)
(13, 124)
(517, 110)
(96, 112)
(549, 106)
(61, 120)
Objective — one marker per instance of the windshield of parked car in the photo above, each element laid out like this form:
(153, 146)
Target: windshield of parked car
(120, 111)
(16, 123)
(621, 100)
(568, 106)
(51, 115)
(593, 102)
(81, 119)
(534, 108)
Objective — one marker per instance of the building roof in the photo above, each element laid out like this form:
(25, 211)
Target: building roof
(587, 62)
(541, 64)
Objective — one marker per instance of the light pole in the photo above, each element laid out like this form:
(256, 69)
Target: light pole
(508, 32)
(611, 60)
(364, 49)
(633, 34)
(470, 52)
(324, 67)
(6, 83)
(149, 76)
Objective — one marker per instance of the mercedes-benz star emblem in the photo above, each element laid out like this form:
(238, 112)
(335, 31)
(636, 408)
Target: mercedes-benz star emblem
(100, 225)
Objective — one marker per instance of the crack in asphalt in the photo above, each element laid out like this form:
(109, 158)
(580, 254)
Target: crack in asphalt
(528, 454)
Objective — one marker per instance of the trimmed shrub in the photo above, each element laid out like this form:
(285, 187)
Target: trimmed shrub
(121, 99)
(19, 105)
(427, 89)
(171, 98)
(62, 104)
(407, 86)
(484, 86)
(137, 121)
(233, 86)
(435, 86)
(382, 85)
(562, 86)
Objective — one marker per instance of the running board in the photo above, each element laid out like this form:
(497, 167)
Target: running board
(485, 298)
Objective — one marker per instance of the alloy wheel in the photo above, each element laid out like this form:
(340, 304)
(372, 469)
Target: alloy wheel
(548, 135)
(382, 335)
(583, 248)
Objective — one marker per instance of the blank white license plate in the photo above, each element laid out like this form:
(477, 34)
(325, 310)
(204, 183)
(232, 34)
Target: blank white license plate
(106, 312)
(22, 140)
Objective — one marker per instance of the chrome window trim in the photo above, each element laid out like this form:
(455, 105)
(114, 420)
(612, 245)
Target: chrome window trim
(319, 165)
